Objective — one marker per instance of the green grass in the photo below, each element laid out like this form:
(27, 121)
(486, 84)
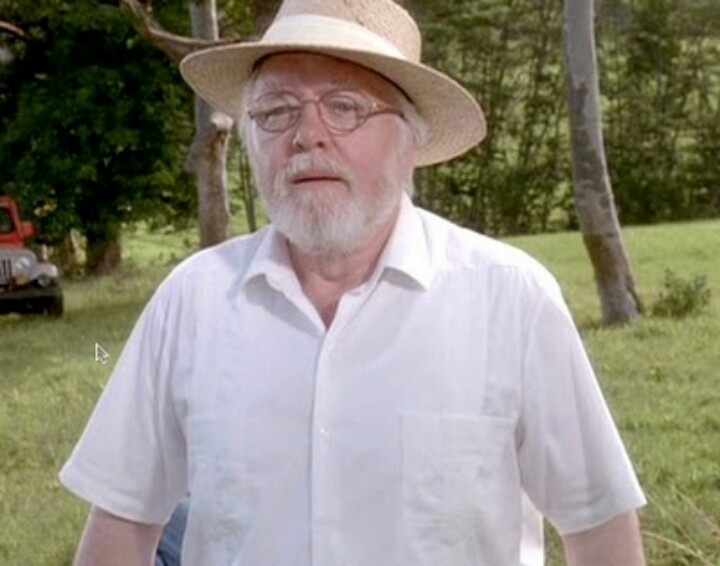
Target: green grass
(661, 377)
(662, 380)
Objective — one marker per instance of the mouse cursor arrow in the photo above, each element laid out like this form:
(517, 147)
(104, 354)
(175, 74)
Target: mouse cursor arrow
(100, 354)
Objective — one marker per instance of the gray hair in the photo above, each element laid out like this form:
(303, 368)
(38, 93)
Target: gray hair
(418, 125)
(243, 123)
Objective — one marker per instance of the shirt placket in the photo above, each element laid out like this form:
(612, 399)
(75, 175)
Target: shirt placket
(328, 548)
(324, 494)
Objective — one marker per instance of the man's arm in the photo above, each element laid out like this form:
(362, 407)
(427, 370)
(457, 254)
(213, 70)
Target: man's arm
(109, 540)
(614, 543)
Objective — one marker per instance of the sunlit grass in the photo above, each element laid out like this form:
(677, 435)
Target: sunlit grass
(662, 380)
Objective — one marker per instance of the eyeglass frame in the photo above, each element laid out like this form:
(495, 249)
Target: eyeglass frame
(374, 108)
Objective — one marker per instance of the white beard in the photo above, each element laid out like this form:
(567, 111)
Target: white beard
(334, 221)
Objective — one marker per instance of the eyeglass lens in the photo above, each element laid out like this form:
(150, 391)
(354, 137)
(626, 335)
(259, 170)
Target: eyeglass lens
(340, 110)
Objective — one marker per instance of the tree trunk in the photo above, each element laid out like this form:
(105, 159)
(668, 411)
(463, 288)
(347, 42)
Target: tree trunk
(593, 195)
(207, 157)
(246, 182)
(208, 154)
(66, 255)
(104, 251)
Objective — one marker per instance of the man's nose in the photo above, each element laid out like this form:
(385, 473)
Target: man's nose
(310, 131)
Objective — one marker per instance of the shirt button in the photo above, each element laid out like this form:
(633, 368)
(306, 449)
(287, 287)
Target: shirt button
(324, 432)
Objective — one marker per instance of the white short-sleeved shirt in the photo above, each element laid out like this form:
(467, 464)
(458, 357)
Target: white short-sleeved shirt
(450, 391)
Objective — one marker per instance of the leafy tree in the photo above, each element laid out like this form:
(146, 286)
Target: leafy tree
(660, 59)
(94, 123)
(208, 155)
(659, 62)
(508, 54)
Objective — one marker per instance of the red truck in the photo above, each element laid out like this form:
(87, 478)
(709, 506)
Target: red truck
(28, 283)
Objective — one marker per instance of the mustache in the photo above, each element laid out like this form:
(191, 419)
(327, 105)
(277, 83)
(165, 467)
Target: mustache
(318, 165)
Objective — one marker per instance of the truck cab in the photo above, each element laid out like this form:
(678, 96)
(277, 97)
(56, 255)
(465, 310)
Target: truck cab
(28, 283)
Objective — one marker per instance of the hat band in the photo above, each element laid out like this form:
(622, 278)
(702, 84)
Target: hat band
(333, 33)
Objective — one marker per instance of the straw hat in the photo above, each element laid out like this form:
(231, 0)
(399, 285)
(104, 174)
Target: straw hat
(376, 34)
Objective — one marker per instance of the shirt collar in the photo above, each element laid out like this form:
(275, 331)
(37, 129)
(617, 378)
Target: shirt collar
(407, 252)
(271, 260)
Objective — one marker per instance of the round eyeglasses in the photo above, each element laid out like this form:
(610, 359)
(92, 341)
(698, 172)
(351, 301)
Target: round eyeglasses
(342, 111)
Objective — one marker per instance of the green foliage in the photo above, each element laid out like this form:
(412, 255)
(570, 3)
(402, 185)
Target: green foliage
(682, 297)
(659, 62)
(661, 380)
(94, 122)
(509, 55)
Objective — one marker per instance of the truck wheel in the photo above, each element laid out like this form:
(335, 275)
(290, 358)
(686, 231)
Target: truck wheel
(55, 307)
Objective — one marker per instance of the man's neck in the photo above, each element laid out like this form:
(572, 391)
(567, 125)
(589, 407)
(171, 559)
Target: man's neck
(325, 278)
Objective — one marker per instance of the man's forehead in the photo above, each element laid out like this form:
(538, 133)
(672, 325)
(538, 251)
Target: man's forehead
(288, 70)
(271, 78)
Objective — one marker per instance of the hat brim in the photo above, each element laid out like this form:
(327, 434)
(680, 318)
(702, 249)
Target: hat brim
(455, 120)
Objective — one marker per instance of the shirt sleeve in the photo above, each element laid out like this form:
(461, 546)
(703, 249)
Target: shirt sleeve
(131, 458)
(573, 464)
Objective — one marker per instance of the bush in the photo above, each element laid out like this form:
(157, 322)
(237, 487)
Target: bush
(681, 297)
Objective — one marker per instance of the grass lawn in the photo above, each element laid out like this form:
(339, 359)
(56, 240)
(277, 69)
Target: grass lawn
(662, 380)
(661, 377)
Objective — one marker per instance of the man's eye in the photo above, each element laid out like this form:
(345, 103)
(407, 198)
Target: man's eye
(277, 111)
(342, 106)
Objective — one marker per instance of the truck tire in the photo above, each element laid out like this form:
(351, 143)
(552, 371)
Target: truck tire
(55, 307)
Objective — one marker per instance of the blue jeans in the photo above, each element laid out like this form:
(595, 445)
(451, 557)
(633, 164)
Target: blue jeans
(170, 546)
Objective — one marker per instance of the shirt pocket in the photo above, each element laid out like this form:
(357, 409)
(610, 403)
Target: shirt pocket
(461, 491)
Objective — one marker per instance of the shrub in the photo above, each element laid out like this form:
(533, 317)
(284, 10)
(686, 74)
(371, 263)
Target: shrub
(681, 297)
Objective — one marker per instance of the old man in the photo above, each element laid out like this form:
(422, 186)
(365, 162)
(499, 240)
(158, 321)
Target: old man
(360, 383)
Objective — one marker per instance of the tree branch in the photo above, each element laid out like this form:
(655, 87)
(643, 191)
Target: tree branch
(174, 46)
(11, 29)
